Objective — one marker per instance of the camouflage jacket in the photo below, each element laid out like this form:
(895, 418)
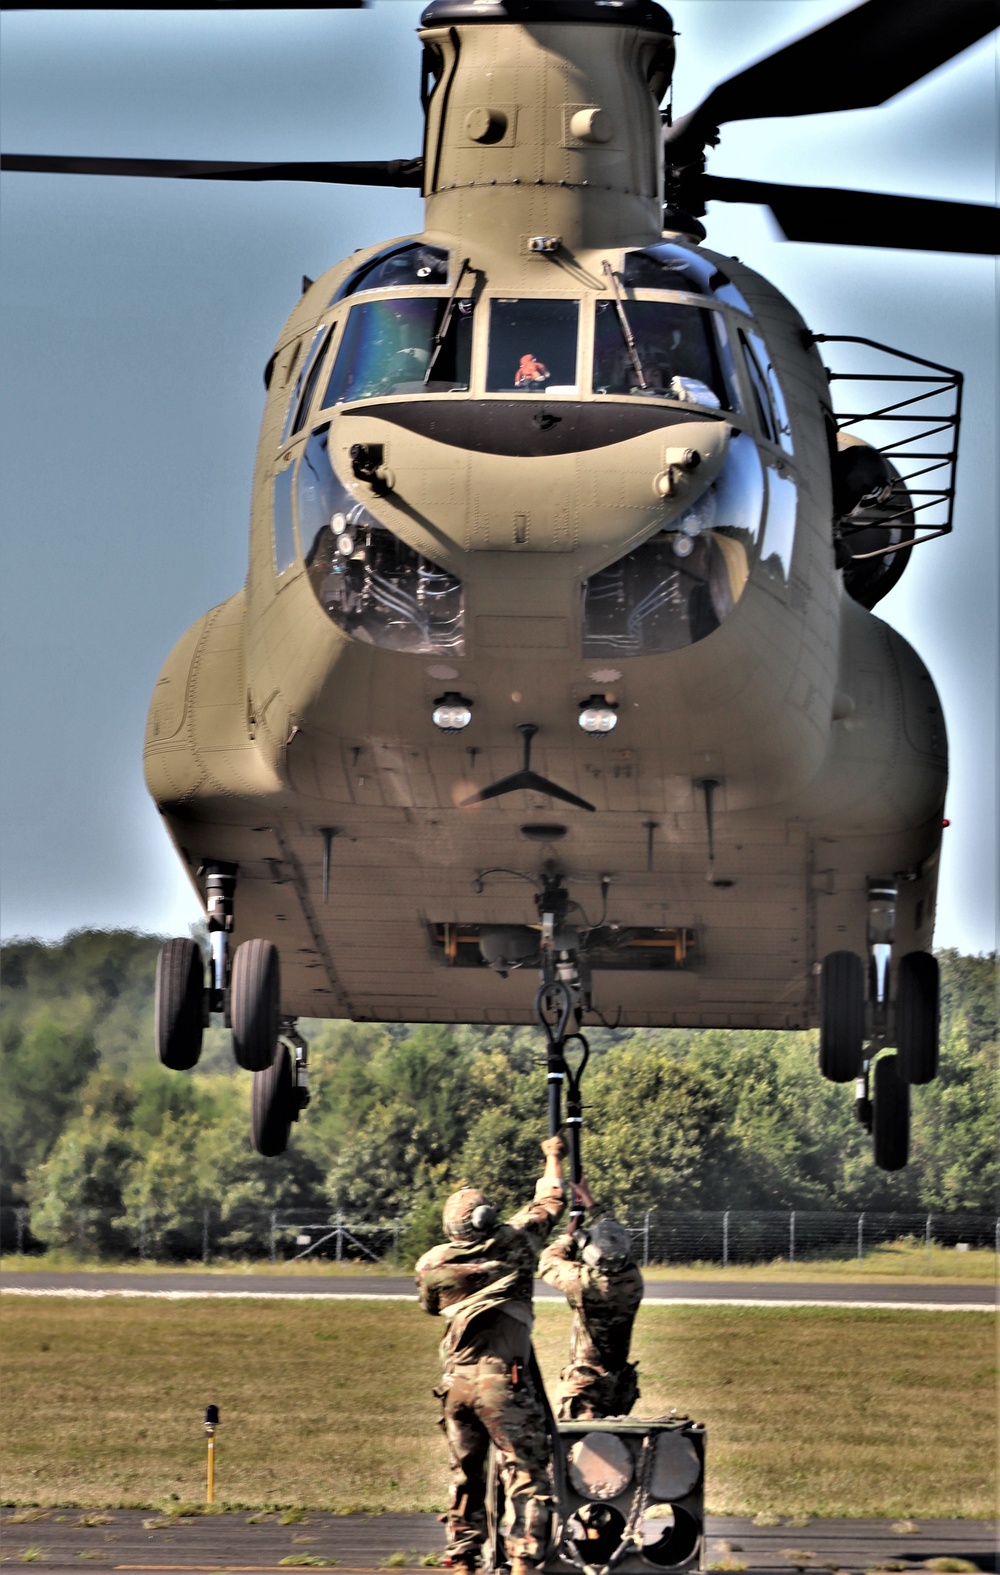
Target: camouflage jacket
(462, 1280)
(605, 1303)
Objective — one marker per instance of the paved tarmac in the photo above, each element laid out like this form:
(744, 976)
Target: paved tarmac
(142, 1540)
(800, 1293)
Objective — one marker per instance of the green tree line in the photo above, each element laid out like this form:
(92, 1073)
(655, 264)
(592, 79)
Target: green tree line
(675, 1119)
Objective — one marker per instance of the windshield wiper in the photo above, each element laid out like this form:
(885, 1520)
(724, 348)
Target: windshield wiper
(623, 322)
(442, 333)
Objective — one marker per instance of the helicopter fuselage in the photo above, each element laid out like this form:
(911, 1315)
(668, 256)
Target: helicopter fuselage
(538, 461)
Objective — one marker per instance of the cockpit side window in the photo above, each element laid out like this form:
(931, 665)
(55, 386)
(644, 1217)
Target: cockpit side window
(532, 347)
(677, 351)
(396, 268)
(310, 378)
(757, 353)
(761, 394)
(314, 357)
(393, 347)
(285, 551)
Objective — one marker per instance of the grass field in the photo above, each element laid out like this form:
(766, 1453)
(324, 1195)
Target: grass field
(893, 1261)
(809, 1411)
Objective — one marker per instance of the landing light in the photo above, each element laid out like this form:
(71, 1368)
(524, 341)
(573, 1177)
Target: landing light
(345, 544)
(596, 716)
(451, 713)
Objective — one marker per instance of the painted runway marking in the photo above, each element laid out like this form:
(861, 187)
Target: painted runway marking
(77, 1293)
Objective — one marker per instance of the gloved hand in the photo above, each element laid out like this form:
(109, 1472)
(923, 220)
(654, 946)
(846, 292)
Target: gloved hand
(581, 1195)
(554, 1148)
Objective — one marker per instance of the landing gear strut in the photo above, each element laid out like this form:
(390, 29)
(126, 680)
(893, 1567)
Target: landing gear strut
(220, 889)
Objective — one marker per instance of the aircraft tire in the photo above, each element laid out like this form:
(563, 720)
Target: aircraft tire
(917, 1015)
(179, 1011)
(255, 1004)
(842, 1016)
(890, 1115)
(272, 1105)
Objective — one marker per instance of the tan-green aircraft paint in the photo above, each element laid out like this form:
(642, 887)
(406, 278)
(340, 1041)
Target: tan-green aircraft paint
(284, 737)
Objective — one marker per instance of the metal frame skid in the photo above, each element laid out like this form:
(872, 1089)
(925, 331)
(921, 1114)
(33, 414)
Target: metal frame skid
(611, 1479)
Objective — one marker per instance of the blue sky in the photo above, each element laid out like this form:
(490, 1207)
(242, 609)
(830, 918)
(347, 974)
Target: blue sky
(137, 316)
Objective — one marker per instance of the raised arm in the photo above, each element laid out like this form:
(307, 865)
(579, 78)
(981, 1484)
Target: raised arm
(537, 1218)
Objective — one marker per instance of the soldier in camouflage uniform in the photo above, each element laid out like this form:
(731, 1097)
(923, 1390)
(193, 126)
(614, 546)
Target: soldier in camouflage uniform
(482, 1280)
(595, 1270)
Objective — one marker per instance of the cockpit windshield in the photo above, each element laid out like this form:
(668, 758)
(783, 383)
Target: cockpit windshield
(388, 347)
(683, 352)
(532, 347)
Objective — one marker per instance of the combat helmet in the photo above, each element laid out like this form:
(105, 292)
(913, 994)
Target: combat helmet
(608, 1245)
(469, 1215)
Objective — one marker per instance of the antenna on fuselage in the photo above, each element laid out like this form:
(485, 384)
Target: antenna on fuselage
(526, 779)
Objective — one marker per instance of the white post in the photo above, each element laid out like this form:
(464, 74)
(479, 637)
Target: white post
(19, 1217)
(861, 1236)
(791, 1237)
(645, 1239)
(340, 1236)
(725, 1239)
(274, 1236)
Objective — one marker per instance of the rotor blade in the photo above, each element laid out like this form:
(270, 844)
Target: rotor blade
(528, 781)
(390, 172)
(866, 218)
(854, 62)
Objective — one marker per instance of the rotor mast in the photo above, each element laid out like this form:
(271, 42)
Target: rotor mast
(538, 126)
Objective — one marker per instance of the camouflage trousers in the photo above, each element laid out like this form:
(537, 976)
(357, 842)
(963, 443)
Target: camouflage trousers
(482, 1404)
(588, 1392)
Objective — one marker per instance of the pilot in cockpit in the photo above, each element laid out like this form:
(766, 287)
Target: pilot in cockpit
(531, 374)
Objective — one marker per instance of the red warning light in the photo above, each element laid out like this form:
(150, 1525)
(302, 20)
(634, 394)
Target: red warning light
(946, 822)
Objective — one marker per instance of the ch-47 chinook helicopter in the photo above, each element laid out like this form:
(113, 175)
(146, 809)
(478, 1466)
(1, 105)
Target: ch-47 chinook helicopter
(560, 591)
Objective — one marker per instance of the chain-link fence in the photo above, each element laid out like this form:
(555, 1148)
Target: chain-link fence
(722, 1236)
(243, 1232)
(731, 1236)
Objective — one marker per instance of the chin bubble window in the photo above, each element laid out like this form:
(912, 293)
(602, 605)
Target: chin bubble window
(532, 347)
(372, 585)
(682, 583)
(677, 349)
(408, 346)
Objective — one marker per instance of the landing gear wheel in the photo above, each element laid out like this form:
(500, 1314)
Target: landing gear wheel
(890, 1115)
(917, 1011)
(842, 1016)
(179, 1012)
(272, 1105)
(255, 1004)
